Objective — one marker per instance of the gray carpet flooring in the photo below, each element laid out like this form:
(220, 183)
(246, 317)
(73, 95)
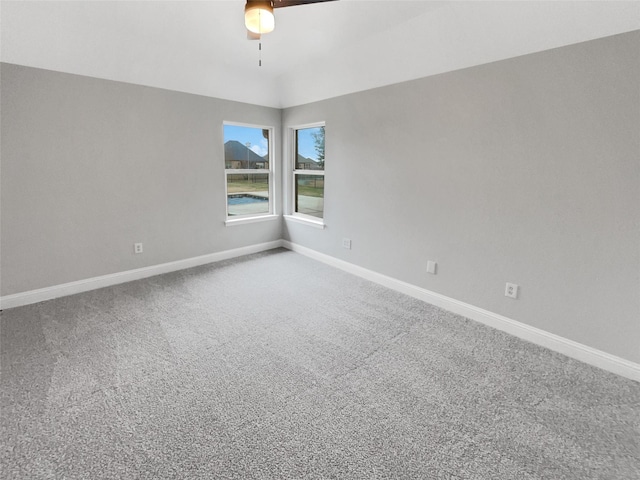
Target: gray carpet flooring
(277, 366)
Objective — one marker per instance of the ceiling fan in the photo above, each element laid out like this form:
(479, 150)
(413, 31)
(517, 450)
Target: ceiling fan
(259, 18)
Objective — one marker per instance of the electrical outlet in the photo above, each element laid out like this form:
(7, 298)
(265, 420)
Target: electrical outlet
(511, 290)
(137, 248)
(432, 267)
(346, 243)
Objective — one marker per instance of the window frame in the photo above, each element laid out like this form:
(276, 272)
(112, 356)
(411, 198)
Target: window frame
(250, 217)
(293, 172)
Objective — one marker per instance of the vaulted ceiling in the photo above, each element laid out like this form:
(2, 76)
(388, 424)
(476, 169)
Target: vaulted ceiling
(316, 51)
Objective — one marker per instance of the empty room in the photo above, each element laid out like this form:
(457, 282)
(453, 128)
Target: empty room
(316, 239)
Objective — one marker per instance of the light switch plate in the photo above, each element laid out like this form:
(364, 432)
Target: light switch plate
(432, 267)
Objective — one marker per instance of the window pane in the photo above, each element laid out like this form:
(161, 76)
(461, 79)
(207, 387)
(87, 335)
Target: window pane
(246, 147)
(310, 148)
(310, 194)
(247, 193)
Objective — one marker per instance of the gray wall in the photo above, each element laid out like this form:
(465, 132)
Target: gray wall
(91, 166)
(525, 171)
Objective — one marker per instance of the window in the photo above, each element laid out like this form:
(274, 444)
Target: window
(308, 171)
(248, 170)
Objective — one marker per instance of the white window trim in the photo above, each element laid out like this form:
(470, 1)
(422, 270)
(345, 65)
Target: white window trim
(306, 220)
(271, 171)
(290, 173)
(265, 217)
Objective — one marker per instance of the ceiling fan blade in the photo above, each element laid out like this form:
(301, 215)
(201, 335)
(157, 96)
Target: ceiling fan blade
(252, 36)
(293, 3)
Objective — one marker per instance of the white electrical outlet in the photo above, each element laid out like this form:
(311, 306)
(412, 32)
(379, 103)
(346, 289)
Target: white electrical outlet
(511, 290)
(137, 248)
(346, 243)
(432, 267)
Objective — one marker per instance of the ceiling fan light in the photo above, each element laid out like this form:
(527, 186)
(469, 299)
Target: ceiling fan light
(258, 16)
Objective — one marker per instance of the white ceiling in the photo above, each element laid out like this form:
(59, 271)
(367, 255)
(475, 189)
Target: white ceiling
(316, 51)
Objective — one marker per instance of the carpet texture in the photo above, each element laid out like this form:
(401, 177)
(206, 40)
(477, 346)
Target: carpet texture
(277, 366)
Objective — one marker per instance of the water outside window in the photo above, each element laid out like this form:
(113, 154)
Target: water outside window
(246, 153)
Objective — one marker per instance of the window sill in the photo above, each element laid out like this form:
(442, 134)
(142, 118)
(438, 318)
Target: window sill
(244, 220)
(306, 221)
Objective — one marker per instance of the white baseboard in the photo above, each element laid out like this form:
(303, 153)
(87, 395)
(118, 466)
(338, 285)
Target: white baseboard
(534, 335)
(572, 349)
(71, 288)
